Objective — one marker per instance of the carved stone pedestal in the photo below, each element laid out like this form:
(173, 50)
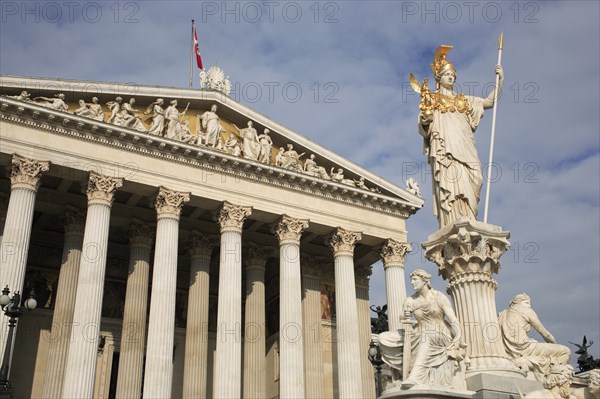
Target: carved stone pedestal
(423, 394)
(467, 252)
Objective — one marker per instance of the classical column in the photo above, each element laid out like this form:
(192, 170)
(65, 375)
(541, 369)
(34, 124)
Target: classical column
(348, 349)
(362, 274)
(228, 363)
(467, 253)
(25, 178)
(311, 326)
(62, 318)
(133, 335)
(161, 325)
(255, 262)
(196, 332)
(393, 253)
(3, 206)
(81, 360)
(291, 348)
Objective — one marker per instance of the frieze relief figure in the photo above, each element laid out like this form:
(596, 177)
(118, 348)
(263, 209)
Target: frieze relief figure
(23, 96)
(128, 117)
(533, 357)
(289, 159)
(115, 111)
(447, 122)
(91, 110)
(437, 356)
(174, 118)
(57, 103)
(250, 143)
(266, 143)
(158, 117)
(232, 145)
(339, 177)
(311, 168)
(210, 122)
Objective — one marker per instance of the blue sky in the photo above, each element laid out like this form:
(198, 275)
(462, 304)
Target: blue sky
(339, 73)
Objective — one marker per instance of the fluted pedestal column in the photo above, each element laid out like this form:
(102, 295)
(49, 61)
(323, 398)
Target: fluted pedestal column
(291, 351)
(24, 182)
(81, 360)
(133, 335)
(158, 374)
(228, 364)
(254, 321)
(393, 253)
(196, 332)
(467, 252)
(62, 318)
(348, 345)
(364, 329)
(311, 328)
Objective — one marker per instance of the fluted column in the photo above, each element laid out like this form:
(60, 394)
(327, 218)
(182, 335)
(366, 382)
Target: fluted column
(3, 206)
(362, 274)
(196, 332)
(254, 321)
(467, 253)
(348, 348)
(64, 303)
(291, 348)
(158, 374)
(228, 364)
(25, 178)
(81, 360)
(133, 335)
(311, 326)
(393, 253)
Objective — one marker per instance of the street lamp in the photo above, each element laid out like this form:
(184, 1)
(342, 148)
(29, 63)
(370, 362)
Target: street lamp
(12, 309)
(375, 359)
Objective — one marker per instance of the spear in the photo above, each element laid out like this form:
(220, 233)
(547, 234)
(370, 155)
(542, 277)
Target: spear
(487, 189)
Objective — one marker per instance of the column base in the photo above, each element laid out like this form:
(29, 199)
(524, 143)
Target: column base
(492, 385)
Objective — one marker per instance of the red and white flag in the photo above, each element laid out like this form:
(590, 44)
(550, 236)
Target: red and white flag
(197, 49)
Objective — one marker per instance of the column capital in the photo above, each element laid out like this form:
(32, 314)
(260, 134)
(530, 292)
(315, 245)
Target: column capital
(363, 274)
(231, 217)
(467, 246)
(393, 253)
(74, 220)
(256, 256)
(141, 233)
(289, 230)
(101, 189)
(343, 241)
(200, 244)
(168, 203)
(26, 173)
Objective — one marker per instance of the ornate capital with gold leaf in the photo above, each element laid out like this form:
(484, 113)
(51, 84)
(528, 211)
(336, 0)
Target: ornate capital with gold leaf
(289, 230)
(201, 245)
(74, 220)
(342, 241)
(26, 173)
(231, 217)
(393, 253)
(141, 233)
(168, 203)
(101, 189)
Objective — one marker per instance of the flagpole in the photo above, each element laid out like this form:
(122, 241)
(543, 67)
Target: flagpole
(192, 56)
(487, 190)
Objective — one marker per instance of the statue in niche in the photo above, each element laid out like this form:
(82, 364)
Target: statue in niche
(250, 143)
(447, 122)
(437, 357)
(174, 117)
(533, 357)
(339, 177)
(266, 143)
(211, 124)
(57, 103)
(24, 96)
(91, 110)
(128, 117)
(115, 111)
(311, 168)
(232, 145)
(158, 117)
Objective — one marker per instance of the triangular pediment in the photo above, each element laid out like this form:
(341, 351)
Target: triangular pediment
(358, 184)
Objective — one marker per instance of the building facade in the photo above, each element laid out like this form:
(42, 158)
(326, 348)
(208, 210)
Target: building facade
(174, 254)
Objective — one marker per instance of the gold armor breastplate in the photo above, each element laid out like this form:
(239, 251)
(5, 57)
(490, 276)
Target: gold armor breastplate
(444, 103)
